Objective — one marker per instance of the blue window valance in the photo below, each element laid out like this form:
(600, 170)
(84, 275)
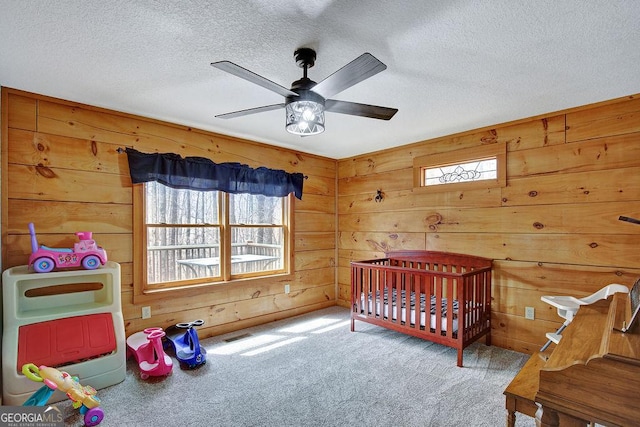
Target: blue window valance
(198, 173)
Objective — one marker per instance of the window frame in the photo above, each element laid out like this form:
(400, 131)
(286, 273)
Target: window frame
(497, 151)
(143, 292)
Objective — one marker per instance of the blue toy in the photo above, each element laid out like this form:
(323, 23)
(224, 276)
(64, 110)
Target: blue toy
(183, 340)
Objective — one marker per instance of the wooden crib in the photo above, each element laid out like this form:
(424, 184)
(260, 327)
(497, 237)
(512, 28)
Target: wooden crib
(393, 292)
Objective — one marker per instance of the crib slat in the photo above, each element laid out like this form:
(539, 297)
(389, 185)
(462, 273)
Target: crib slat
(438, 305)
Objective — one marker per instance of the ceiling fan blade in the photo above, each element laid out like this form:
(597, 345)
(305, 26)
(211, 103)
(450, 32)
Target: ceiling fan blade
(252, 77)
(361, 68)
(250, 111)
(362, 110)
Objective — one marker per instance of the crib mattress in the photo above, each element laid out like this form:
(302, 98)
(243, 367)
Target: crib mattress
(395, 308)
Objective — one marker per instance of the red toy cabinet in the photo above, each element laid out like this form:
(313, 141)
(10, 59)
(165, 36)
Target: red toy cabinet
(71, 320)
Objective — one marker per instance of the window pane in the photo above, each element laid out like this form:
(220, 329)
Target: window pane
(477, 170)
(165, 205)
(256, 249)
(182, 253)
(186, 237)
(252, 209)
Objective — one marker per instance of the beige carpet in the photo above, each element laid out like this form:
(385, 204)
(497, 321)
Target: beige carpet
(312, 371)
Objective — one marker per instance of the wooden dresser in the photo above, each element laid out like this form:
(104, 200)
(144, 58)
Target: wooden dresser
(593, 374)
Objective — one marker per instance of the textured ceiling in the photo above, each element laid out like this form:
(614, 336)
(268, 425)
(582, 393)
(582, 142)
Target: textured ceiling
(452, 65)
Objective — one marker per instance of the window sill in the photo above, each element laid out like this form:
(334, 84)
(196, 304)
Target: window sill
(141, 296)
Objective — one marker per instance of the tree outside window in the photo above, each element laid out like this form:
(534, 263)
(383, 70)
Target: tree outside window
(195, 237)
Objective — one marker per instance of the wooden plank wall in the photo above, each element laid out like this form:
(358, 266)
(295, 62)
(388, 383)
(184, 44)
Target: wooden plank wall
(61, 170)
(553, 229)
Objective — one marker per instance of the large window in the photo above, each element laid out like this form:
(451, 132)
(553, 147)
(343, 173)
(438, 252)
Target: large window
(191, 238)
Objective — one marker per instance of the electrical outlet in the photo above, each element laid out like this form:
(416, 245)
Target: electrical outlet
(146, 312)
(287, 288)
(529, 313)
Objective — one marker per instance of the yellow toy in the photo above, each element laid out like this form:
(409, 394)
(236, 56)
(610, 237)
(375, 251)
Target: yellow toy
(83, 397)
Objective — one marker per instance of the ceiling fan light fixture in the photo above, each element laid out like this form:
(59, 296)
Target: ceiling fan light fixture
(306, 101)
(305, 117)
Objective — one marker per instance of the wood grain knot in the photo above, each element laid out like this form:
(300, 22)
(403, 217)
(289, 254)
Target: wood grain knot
(533, 193)
(538, 225)
(593, 245)
(435, 218)
(45, 171)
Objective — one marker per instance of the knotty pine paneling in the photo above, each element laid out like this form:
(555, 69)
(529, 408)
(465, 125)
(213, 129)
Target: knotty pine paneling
(307, 260)
(320, 185)
(381, 242)
(607, 120)
(69, 217)
(85, 122)
(314, 240)
(312, 221)
(537, 133)
(564, 279)
(408, 199)
(316, 203)
(607, 153)
(543, 219)
(576, 249)
(22, 112)
(63, 152)
(36, 182)
(389, 181)
(230, 294)
(63, 172)
(553, 229)
(609, 185)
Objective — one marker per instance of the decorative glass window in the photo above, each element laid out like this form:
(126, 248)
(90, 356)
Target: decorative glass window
(476, 167)
(461, 172)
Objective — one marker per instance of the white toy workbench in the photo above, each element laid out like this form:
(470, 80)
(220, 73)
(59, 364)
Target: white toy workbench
(71, 320)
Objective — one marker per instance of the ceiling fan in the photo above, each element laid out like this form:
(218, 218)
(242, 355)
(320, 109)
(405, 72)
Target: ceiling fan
(306, 101)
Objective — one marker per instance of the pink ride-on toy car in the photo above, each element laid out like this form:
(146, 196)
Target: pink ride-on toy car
(85, 253)
(146, 346)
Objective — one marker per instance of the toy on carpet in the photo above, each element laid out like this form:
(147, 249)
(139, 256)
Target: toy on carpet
(83, 397)
(85, 253)
(183, 340)
(146, 346)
